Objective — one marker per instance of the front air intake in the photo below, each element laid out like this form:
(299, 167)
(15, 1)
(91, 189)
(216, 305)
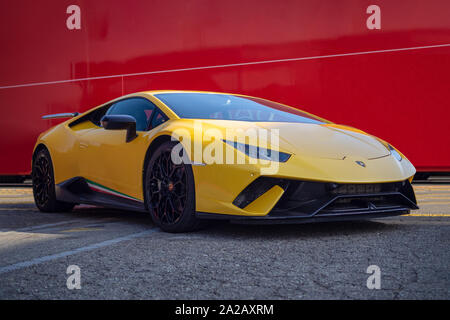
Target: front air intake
(256, 189)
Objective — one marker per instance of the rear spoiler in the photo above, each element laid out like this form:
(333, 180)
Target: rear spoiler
(60, 115)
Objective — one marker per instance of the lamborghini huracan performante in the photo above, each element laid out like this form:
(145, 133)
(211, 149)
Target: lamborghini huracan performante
(188, 156)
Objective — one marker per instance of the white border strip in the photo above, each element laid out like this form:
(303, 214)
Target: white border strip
(224, 66)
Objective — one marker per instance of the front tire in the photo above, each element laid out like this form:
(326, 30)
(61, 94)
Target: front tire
(170, 191)
(44, 185)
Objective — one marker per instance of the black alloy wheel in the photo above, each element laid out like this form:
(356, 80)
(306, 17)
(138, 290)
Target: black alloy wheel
(169, 191)
(44, 184)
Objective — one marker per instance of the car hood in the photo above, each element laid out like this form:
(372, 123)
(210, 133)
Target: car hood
(327, 141)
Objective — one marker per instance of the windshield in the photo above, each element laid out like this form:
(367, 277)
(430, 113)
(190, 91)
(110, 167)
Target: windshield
(231, 107)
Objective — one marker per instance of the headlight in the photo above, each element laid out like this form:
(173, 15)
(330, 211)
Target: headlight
(259, 153)
(394, 153)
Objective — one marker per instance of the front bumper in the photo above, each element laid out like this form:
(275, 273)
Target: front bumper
(306, 201)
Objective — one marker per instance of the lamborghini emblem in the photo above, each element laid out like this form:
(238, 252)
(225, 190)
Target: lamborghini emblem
(362, 164)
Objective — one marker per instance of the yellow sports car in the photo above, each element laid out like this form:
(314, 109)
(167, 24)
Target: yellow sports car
(184, 156)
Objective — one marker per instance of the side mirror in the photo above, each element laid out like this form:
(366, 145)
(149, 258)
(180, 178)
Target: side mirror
(120, 122)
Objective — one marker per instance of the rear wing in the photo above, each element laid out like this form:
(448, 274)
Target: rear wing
(60, 115)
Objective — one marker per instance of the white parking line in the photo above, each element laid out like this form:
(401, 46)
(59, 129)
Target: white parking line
(61, 223)
(47, 225)
(41, 226)
(102, 244)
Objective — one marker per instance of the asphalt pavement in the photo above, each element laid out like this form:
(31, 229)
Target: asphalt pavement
(98, 253)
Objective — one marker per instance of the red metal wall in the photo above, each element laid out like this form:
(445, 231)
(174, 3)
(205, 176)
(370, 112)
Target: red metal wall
(327, 62)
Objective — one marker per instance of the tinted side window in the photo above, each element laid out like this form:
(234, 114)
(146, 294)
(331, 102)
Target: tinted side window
(139, 108)
(157, 119)
(93, 116)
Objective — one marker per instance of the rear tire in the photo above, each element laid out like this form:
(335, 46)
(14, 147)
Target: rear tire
(44, 185)
(170, 192)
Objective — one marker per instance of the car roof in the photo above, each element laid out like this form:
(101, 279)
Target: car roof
(151, 94)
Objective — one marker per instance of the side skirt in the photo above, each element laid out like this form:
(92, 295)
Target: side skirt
(79, 190)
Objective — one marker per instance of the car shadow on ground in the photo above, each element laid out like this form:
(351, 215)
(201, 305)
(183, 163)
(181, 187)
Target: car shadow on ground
(296, 231)
(226, 229)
